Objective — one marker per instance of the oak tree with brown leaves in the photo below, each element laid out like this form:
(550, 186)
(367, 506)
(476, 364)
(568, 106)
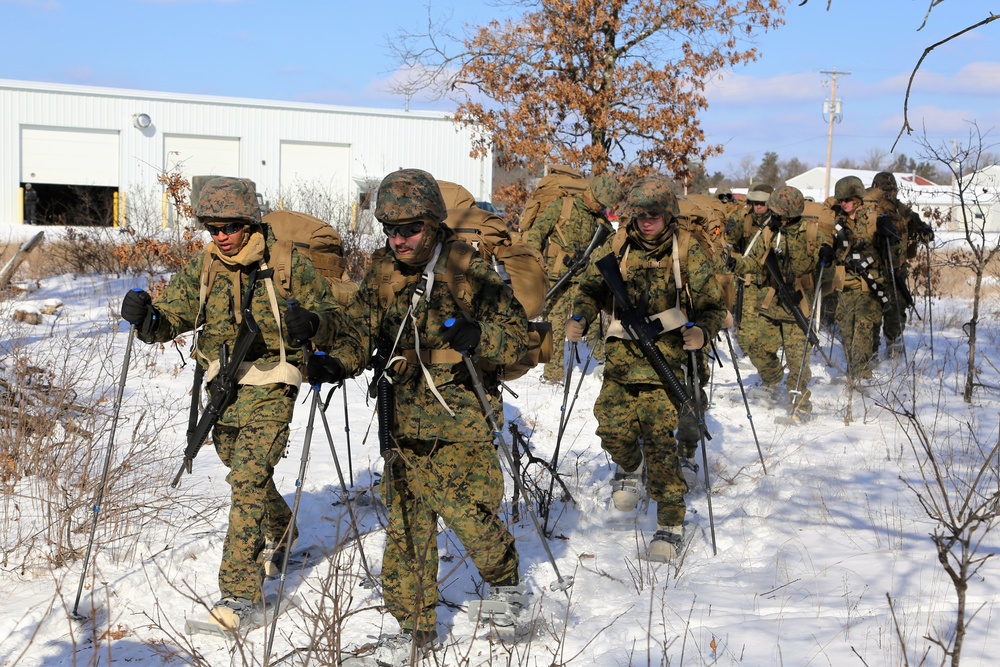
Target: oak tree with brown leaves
(603, 85)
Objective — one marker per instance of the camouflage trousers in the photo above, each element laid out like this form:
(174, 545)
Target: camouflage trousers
(633, 419)
(461, 483)
(557, 312)
(766, 337)
(258, 511)
(859, 316)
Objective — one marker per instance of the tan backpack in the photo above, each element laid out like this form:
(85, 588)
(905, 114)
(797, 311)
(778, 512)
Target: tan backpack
(562, 182)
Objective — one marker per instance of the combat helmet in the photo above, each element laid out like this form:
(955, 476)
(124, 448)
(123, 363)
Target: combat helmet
(885, 181)
(786, 202)
(849, 187)
(407, 195)
(606, 190)
(651, 197)
(228, 198)
(759, 193)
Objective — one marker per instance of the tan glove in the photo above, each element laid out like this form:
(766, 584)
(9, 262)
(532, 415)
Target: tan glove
(694, 338)
(729, 321)
(575, 328)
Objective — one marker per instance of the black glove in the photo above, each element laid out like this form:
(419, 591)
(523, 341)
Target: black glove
(730, 261)
(826, 255)
(885, 227)
(322, 368)
(139, 311)
(775, 222)
(302, 324)
(926, 235)
(461, 333)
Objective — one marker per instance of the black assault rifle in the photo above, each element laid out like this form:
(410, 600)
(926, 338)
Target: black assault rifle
(223, 387)
(787, 297)
(580, 262)
(644, 332)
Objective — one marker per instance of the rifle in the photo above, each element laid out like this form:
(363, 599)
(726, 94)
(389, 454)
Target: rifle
(224, 386)
(580, 262)
(787, 298)
(642, 330)
(738, 305)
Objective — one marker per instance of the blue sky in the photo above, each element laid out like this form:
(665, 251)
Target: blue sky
(335, 52)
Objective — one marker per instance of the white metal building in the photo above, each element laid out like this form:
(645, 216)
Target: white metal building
(111, 144)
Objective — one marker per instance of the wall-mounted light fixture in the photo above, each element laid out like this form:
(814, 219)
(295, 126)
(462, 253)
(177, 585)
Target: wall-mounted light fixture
(141, 121)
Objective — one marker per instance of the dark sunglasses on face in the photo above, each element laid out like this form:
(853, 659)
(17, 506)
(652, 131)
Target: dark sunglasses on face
(844, 201)
(227, 229)
(406, 231)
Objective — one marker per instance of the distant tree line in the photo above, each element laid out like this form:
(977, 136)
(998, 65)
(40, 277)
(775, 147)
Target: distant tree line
(774, 171)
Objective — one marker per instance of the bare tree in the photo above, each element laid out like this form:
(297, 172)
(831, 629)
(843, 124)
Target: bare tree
(974, 202)
(874, 159)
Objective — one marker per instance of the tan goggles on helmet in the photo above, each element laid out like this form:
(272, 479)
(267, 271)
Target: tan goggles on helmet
(406, 231)
(227, 229)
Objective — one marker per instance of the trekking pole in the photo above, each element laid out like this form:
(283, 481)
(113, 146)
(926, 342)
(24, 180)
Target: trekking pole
(347, 435)
(562, 583)
(370, 581)
(797, 392)
(693, 356)
(75, 614)
(746, 403)
(567, 377)
(930, 314)
(304, 461)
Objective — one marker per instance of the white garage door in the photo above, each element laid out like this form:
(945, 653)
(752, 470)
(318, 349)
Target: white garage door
(323, 169)
(62, 156)
(201, 156)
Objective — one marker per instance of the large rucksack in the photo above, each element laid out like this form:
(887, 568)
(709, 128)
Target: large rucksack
(562, 182)
(317, 240)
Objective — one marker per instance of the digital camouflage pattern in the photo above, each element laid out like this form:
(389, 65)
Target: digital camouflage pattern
(653, 196)
(786, 202)
(228, 198)
(252, 431)
(885, 181)
(768, 326)
(559, 245)
(446, 465)
(463, 484)
(859, 311)
(408, 194)
(627, 412)
(633, 398)
(606, 190)
(849, 187)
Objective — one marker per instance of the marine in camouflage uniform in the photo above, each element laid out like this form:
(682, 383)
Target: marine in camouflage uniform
(912, 231)
(634, 405)
(562, 240)
(252, 430)
(441, 460)
(862, 295)
(772, 325)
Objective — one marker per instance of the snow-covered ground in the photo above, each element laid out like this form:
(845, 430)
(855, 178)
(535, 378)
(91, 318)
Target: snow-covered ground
(825, 559)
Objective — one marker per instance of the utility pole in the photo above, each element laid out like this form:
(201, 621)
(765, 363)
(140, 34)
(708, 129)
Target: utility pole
(832, 108)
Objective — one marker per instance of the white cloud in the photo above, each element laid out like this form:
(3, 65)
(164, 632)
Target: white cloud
(978, 78)
(730, 88)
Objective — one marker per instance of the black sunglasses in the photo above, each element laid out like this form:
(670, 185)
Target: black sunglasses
(227, 229)
(406, 231)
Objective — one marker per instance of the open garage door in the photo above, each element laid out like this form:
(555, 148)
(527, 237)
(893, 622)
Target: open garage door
(199, 156)
(74, 175)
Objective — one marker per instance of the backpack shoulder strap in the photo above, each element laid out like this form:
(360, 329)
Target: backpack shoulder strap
(812, 228)
(281, 262)
(456, 267)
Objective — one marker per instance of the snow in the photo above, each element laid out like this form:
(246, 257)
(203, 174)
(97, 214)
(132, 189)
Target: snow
(809, 554)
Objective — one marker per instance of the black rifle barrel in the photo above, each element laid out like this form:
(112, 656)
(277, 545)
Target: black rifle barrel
(580, 262)
(787, 298)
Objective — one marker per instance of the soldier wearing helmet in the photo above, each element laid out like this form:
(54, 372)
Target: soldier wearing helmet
(636, 412)
(859, 276)
(562, 232)
(769, 324)
(213, 293)
(911, 230)
(440, 458)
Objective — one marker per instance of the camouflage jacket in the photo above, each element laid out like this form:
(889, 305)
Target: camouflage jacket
(178, 305)
(367, 325)
(797, 266)
(649, 278)
(561, 242)
(856, 236)
(741, 227)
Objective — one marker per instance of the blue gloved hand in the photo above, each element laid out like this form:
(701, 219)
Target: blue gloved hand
(302, 324)
(139, 311)
(826, 254)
